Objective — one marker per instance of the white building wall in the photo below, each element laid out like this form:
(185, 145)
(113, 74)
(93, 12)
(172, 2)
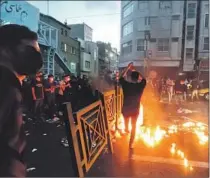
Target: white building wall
(162, 25)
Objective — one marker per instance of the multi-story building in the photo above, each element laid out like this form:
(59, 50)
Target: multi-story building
(196, 46)
(152, 30)
(108, 57)
(89, 58)
(89, 49)
(169, 34)
(92, 49)
(67, 49)
(203, 43)
(82, 31)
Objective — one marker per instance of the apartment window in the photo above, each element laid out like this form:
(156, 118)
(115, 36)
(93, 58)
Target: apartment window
(164, 5)
(65, 47)
(128, 28)
(206, 43)
(73, 50)
(175, 17)
(142, 5)
(73, 66)
(146, 20)
(140, 45)
(66, 33)
(127, 10)
(87, 64)
(189, 53)
(62, 46)
(95, 54)
(127, 48)
(61, 31)
(95, 66)
(191, 10)
(190, 32)
(163, 45)
(206, 23)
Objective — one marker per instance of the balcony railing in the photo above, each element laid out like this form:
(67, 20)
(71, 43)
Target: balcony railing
(48, 35)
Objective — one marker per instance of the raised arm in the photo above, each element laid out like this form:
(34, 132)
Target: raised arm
(125, 71)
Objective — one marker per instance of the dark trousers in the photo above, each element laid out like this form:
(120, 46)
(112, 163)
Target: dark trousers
(133, 116)
(51, 105)
(38, 105)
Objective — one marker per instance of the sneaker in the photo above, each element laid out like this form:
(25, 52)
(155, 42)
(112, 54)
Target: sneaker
(64, 142)
(60, 113)
(54, 120)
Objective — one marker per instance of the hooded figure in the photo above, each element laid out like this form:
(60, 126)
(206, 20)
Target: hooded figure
(19, 57)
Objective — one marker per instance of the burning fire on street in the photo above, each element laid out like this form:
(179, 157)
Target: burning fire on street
(153, 135)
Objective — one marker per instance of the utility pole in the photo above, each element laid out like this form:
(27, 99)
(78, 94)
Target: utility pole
(181, 66)
(146, 63)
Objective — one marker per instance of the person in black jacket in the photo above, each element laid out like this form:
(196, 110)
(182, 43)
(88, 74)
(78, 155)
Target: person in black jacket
(19, 56)
(132, 91)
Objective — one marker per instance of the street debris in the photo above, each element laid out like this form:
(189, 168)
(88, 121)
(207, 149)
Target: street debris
(186, 111)
(64, 142)
(44, 134)
(34, 150)
(23, 115)
(30, 169)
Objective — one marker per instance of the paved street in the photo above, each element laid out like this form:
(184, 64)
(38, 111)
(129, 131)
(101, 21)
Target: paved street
(51, 159)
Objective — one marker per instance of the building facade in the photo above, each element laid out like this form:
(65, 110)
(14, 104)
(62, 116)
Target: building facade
(23, 13)
(170, 35)
(196, 48)
(89, 58)
(67, 51)
(203, 46)
(151, 30)
(108, 57)
(92, 49)
(82, 31)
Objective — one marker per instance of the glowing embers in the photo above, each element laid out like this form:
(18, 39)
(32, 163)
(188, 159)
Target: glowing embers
(177, 152)
(172, 129)
(151, 136)
(198, 129)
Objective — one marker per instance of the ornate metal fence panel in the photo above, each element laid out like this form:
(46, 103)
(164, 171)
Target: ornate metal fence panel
(109, 102)
(119, 103)
(88, 134)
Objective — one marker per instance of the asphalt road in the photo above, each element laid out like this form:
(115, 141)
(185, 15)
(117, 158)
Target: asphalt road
(49, 158)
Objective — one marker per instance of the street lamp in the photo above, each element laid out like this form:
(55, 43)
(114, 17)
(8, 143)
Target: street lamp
(146, 39)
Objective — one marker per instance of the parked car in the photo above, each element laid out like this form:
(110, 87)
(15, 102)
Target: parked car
(204, 90)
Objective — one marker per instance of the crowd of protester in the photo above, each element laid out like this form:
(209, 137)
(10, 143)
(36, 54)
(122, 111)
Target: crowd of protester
(43, 98)
(179, 90)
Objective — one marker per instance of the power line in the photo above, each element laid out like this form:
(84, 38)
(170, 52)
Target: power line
(96, 15)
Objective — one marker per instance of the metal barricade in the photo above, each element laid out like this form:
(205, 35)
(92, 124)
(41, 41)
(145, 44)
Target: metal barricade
(92, 129)
(87, 135)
